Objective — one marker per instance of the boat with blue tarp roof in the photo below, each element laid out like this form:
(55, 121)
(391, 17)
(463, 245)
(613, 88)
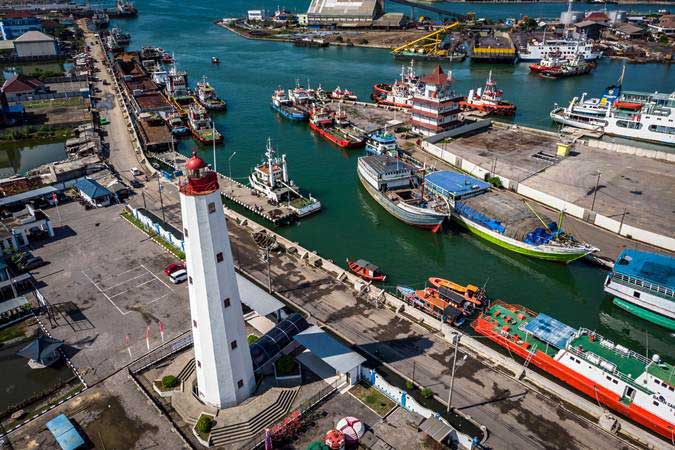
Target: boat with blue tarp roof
(501, 219)
(643, 283)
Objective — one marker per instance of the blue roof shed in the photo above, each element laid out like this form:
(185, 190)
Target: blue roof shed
(454, 184)
(65, 433)
(646, 266)
(92, 189)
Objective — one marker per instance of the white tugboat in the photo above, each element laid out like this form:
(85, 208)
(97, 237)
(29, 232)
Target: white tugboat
(270, 178)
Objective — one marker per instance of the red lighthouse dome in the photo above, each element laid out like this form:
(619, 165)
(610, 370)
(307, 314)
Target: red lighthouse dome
(200, 179)
(195, 163)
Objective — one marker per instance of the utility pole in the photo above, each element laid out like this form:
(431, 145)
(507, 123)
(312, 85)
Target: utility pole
(595, 191)
(229, 167)
(213, 134)
(623, 216)
(161, 200)
(413, 376)
(452, 377)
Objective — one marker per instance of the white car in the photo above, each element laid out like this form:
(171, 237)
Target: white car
(135, 171)
(178, 276)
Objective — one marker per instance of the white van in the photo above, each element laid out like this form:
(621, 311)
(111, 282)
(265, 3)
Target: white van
(178, 276)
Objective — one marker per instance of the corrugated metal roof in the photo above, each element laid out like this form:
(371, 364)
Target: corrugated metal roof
(455, 184)
(550, 330)
(343, 7)
(27, 195)
(65, 433)
(329, 349)
(91, 188)
(34, 36)
(257, 298)
(646, 266)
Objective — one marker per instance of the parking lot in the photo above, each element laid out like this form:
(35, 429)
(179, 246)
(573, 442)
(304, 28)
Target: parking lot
(106, 284)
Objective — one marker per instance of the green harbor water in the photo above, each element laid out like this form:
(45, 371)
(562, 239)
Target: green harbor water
(351, 223)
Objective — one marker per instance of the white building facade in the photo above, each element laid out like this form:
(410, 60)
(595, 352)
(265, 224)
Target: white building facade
(222, 356)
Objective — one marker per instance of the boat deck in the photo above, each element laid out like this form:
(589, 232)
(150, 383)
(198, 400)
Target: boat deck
(513, 322)
(625, 363)
(516, 217)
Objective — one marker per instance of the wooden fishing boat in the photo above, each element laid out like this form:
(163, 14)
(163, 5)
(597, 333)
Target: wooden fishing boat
(470, 293)
(366, 270)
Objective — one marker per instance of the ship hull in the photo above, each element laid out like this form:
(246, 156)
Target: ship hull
(564, 256)
(204, 140)
(645, 314)
(299, 116)
(340, 142)
(576, 381)
(429, 221)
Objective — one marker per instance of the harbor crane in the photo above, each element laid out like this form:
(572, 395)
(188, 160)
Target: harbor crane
(427, 46)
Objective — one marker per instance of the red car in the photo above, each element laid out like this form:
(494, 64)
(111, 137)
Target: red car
(171, 268)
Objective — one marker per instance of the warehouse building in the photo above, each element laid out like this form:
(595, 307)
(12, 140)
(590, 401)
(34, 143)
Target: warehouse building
(35, 44)
(354, 13)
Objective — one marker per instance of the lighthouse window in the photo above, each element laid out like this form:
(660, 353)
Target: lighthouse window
(194, 323)
(226, 302)
(212, 207)
(190, 280)
(240, 384)
(185, 233)
(199, 364)
(233, 344)
(219, 257)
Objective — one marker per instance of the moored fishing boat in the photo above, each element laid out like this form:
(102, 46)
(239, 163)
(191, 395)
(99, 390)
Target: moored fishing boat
(396, 186)
(498, 218)
(283, 105)
(382, 142)
(201, 125)
(574, 67)
(366, 270)
(271, 179)
(470, 293)
(335, 128)
(625, 381)
(175, 123)
(401, 92)
(432, 304)
(208, 98)
(342, 94)
(488, 99)
(643, 284)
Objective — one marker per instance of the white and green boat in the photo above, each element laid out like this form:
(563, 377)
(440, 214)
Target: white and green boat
(504, 221)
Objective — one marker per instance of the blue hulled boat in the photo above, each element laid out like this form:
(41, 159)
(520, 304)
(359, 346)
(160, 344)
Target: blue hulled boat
(283, 105)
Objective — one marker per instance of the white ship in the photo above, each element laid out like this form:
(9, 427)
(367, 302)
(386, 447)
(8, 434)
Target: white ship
(401, 92)
(634, 115)
(270, 178)
(565, 48)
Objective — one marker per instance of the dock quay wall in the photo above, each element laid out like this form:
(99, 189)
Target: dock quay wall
(628, 231)
(630, 150)
(511, 367)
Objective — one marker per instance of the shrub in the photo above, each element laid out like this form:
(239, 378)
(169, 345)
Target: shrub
(251, 338)
(409, 385)
(204, 424)
(427, 393)
(170, 381)
(339, 38)
(363, 41)
(495, 181)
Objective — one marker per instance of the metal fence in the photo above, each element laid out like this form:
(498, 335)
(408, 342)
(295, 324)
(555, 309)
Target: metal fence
(163, 351)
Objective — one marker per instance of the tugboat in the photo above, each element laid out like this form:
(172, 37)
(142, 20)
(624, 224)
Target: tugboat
(342, 94)
(167, 58)
(270, 178)
(335, 128)
(176, 124)
(299, 95)
(382, 142)
(430, 302)
(283, 105)
(215, 60)
(488, 100)
(401, 92)
(202, 126)
(208, 98)
(366, 270)
(574, 67)
(550, 63)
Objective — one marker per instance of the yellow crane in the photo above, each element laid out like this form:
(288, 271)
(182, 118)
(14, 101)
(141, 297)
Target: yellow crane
(427, 45)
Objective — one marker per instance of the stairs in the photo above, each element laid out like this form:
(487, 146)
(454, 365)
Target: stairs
(186, 371)
(248, 429)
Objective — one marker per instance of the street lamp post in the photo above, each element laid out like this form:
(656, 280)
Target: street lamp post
(229, 170)
(454, 363)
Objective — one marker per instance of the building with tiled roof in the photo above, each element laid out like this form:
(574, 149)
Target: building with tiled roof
(20, 87)
(435, 108)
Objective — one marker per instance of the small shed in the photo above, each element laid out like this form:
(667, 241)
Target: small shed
(93, 193)
(629, 31)
(65, 433)
(345, 362)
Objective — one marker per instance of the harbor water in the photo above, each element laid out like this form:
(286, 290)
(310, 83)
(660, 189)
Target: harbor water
(352, 224)
(19, 158)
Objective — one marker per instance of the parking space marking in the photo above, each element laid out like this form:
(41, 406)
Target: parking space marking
(158, 298)
(105, 295)
(145, 282)
(160, 280)
(126, 281)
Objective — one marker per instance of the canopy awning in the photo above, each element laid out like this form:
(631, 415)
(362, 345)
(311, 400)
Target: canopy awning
(329, 349)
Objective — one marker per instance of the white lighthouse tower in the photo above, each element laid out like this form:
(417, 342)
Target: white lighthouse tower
(222, 356)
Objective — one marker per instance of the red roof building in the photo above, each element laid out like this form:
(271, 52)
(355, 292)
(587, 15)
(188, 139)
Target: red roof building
(435, 108)
(19, 87)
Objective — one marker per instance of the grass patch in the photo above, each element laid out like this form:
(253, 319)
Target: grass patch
(372, 398)
(34, 135)
(180, 254)
(54, 103)
(13, 332)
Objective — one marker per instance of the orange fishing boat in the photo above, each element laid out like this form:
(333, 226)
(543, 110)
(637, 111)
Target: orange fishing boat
(366, 270)
(470, 293)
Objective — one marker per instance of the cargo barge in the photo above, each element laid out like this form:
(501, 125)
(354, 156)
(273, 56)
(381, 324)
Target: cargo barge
(628, 383)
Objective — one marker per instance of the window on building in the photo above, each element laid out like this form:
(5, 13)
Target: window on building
(226, 302)
(194, 323)
(199, 364)
(240, 384)
(185, 233)
(233, 344)
(219, 257)
(190, 280)
(212, 207)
